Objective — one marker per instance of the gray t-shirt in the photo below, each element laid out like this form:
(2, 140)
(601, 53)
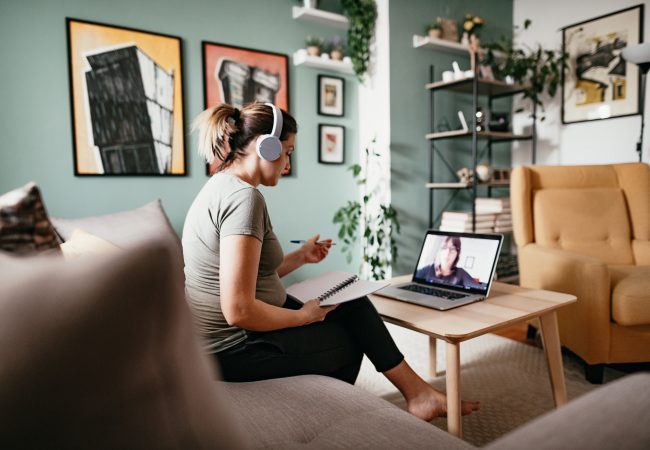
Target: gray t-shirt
(226, 206)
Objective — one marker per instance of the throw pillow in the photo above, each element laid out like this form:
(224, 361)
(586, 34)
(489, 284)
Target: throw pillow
(24, 224)
(82, 243)
(102, 353)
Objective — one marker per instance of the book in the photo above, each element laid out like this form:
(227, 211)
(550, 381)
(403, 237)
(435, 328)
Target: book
(334, 287)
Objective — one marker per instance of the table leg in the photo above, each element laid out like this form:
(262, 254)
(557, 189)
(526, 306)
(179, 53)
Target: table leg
(433, 369)
(454, 424)
(551, 340)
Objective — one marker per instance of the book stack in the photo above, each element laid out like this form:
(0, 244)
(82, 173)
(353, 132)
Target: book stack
(500, 207)
(461, 221)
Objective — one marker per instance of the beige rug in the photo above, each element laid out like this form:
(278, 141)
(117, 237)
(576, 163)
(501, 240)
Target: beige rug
(510, 380)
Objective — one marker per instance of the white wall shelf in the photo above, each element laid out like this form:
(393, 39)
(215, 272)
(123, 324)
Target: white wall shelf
(319, 16)
(302, 59)
(439, 44)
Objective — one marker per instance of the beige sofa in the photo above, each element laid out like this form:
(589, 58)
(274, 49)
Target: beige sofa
(585, 230)
(101, 352)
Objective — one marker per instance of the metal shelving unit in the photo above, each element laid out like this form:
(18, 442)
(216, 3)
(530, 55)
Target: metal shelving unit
(476, 87)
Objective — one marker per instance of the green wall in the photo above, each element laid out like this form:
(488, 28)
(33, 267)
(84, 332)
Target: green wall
(35, 125)
(410, 112)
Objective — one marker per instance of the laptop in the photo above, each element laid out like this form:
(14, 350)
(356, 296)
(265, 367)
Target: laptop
(453, 269)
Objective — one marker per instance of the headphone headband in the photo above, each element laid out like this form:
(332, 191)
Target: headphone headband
(277, 120)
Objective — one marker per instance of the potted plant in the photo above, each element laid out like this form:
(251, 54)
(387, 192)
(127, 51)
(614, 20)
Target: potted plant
(314, 45)
(434, 29)
(362, 15)
(308, 3)
(336, 48)
(471, 27)
(376, 237)
(537, 68)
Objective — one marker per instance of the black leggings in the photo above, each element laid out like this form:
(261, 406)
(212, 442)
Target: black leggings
(334, 347)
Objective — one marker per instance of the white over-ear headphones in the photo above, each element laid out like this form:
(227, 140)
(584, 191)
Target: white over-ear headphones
(268, 146)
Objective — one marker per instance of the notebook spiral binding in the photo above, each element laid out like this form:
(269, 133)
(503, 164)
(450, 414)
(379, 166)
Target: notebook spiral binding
(339, 287)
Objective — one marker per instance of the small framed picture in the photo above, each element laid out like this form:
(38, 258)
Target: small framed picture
(331, 91)
(331, 144)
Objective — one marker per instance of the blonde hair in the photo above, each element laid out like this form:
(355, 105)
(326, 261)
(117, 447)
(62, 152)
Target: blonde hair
(225, 131)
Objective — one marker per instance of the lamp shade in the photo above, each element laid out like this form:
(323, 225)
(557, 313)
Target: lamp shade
(638, 54)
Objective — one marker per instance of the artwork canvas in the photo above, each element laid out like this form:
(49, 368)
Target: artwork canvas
(330, 95)
(331, 144)
(598, 83)
(126, 96)
(238, 76)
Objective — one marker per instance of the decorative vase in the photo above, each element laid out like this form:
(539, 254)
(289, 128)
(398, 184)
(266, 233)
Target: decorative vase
(484, 172)
(313, 50)
(435, 33)
(310, 3)
(474, 43)
(465, 39)
(336, 55)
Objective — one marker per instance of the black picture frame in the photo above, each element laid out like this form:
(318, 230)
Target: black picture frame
(591, 92)
(153, 146)
(216, 91)
(331, 96)
(331, 144)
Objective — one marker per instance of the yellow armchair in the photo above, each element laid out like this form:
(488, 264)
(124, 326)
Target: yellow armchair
(585, 230)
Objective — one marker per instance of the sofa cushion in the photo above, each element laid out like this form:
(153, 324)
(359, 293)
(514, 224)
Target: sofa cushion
(630, 295)
(24, 224)
(613, 417)
(82, 243)
(102, 353)
(591, 222)
(312, 411)
(124, 229)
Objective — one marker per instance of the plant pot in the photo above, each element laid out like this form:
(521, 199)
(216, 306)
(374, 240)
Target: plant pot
(336, 55)
(435, 33)
(313, 50)
(310, 3)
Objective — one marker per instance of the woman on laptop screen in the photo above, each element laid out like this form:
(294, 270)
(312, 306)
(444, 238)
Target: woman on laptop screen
(444, 269)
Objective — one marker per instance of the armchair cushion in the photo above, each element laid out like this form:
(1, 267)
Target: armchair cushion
(592, 222)
(630, 295)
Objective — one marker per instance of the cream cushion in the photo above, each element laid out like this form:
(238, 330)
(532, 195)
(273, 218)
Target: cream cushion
(82, 243)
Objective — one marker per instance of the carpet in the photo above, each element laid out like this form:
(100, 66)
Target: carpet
(509, 378)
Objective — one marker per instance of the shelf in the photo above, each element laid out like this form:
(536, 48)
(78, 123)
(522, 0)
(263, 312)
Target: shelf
(491, 88)
(302, 59)
(439, 44)
(492, 135)
(459, 185)
(319, 16)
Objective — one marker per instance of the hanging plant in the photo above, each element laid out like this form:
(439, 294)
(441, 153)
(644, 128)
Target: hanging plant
(376, 238)
(362, 16)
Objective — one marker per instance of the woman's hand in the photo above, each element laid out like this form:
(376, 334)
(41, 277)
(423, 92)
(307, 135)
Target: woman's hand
(315, 251)
(313, 312)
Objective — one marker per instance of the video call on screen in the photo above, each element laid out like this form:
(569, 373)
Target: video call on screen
(470, 266)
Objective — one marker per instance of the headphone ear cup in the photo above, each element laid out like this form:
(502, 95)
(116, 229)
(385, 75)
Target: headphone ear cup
(268, 147)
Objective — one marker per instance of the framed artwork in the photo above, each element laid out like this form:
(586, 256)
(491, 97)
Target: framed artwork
(238, 75)
(331, 144)
(331, 96)
(126, 100)
(597, 82)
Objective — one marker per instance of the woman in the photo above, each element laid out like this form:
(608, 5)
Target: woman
(234, 262)
(445, 270)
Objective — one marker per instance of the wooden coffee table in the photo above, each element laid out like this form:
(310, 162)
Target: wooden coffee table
(506, 305)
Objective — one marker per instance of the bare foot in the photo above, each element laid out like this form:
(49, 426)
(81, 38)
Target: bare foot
(433, 404)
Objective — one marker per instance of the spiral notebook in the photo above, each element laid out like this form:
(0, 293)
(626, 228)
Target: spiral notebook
(334, 287)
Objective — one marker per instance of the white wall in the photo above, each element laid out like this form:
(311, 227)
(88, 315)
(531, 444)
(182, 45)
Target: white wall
(596, 142)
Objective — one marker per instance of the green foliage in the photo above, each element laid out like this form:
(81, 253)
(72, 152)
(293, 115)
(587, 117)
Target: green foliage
(314, 41)
(538, 68)
(376, 238)
(362, 15)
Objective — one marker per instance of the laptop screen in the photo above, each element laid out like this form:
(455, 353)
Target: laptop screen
(458, 260)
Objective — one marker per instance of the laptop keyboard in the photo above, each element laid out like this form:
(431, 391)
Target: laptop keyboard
(432, 291)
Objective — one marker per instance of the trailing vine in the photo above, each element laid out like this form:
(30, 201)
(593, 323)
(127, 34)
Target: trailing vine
(362, 16)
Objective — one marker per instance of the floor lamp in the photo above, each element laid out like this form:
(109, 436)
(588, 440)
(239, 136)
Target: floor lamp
(639, 54)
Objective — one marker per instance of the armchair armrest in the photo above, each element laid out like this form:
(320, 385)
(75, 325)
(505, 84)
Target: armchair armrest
(585, 325)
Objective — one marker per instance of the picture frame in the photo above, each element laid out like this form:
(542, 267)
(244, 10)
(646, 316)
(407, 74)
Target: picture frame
(331, 96)
(126, 100)
(240, 75)
(597, 83)
(331, 144)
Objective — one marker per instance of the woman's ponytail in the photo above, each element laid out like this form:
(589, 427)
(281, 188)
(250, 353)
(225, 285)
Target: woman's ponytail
(216, 127)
